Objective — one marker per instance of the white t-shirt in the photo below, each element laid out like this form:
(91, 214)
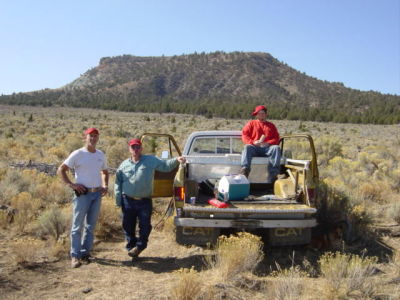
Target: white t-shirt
(87, 166)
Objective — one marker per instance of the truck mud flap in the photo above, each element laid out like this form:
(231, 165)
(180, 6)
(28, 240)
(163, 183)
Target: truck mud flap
(200, 236)
(288, 236)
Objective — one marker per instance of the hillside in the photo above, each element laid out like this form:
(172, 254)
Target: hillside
(215, 84)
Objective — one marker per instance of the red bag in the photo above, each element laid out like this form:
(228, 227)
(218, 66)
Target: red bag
(217, 203)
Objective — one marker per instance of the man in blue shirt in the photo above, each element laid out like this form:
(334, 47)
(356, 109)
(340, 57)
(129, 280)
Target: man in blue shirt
(133, 190)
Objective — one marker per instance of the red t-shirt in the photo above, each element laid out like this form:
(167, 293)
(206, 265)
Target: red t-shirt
(254, 129)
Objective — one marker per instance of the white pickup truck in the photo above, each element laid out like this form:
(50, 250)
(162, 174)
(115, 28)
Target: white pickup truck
(283, 213)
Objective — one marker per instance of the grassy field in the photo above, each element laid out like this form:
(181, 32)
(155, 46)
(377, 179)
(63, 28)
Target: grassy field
(359, 168)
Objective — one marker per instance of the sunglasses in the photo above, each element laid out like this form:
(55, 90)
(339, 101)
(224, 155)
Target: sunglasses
(136, 147)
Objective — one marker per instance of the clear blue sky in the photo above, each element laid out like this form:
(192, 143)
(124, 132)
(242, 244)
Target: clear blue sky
(47, 44)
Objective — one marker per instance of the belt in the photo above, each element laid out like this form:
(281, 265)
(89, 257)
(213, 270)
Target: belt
(133, 198)
(93, 190)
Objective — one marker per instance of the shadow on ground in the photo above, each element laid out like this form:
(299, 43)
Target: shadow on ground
(157, 264)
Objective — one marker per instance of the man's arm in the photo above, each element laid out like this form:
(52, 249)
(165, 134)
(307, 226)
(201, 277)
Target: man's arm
(273, 135)
(118, 188)
(246, 134)
(62, 173)
(165, 165)
(105, 176)
(170, 164)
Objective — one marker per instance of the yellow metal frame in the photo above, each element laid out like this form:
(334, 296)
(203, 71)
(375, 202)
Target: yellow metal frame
(163, 187)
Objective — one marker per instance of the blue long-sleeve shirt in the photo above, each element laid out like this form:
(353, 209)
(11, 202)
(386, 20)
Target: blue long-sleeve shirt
(136, 179)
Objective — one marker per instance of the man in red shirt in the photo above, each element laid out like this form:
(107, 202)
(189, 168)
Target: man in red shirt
(261, 138)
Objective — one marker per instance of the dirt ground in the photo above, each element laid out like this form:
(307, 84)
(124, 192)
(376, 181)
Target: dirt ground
(113, 275)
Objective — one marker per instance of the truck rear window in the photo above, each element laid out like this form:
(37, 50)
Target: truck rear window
(216, 145)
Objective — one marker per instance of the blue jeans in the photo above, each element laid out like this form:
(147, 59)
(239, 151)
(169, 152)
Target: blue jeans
(273, 153)
(133, 210)
(86, 209)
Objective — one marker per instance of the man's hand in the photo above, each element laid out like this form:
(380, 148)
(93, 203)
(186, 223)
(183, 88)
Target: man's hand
(261, 144)
(104, 190)
(181, 159)
(80, 188)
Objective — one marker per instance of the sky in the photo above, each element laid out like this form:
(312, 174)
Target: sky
(48, 44)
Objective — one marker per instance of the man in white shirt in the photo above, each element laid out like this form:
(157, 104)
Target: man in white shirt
(91, 183)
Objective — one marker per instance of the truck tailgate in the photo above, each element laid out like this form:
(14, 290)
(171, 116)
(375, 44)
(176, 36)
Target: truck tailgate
(250, 211)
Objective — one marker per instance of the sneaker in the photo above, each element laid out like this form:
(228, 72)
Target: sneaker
(75, 263)
(134, 252)
(85, 260)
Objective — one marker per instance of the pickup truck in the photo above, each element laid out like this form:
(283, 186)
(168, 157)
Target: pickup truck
(283, 213)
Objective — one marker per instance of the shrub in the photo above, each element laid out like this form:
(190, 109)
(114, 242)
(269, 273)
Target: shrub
(109, 223)
(53, 222)
(235, 255)
(288, 283)
(72, 142)
(121, 132)
(26, 207)
(3, 219)
(394, 212)
(60, 249)
(335, 208)
(168, 227)
(59, 153)
(372, 192)
(395, 264)
(187, 285)
(25, 252)
(116, 154)
(328, 147)
(56, 192)
(347, 275)
(12, 184)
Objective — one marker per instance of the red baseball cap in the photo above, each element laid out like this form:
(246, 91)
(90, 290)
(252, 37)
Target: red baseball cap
(135, 142)
(91, 130)
(258, 108)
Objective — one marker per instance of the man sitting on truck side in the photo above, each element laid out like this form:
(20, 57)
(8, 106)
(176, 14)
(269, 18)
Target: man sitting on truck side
(261, 139)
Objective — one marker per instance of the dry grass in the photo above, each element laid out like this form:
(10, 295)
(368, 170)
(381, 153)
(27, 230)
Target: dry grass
(60, 249)
(26, 252)
(53, 222)
(394, 264)
(11, 185)
(4, 219)
(109, 221)
(235, 255)
(394, 212)
(288, 284)
(168, 227)
(235, 258)
(27, 208)
(348, 275)
(187, 285)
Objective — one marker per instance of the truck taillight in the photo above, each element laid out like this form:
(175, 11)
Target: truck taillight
(179, 193)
